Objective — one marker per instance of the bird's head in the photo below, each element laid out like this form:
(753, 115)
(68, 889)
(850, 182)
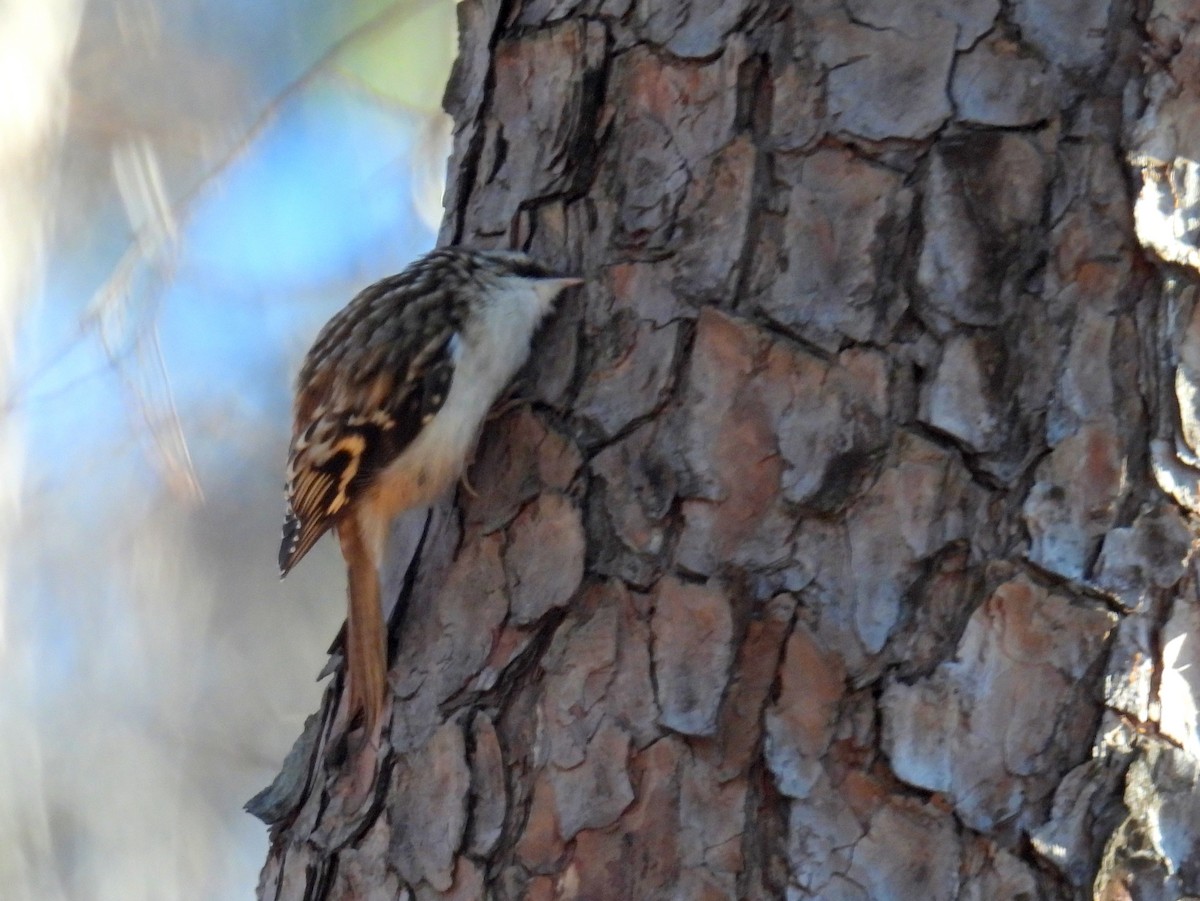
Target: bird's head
(513, 269)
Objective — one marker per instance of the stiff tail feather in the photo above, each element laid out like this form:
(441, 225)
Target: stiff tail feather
(366, 648)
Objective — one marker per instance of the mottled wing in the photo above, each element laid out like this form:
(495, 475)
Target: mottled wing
(372, 380)
(347, 444)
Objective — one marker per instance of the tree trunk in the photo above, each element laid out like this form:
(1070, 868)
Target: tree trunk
(844, 549)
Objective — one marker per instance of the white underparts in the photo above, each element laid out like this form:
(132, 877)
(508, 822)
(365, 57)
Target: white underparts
(492, 346)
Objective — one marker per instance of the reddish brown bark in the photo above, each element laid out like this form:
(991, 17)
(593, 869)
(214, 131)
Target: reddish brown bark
(844, 550)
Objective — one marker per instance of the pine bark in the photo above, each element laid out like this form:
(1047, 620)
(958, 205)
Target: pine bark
(843, 549)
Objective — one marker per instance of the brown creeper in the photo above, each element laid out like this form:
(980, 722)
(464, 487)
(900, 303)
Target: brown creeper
(389, 403)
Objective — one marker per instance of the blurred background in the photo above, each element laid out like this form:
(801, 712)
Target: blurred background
(188, 189)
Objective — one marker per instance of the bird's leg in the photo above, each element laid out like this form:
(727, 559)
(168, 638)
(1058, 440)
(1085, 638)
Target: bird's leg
(466, 482)
(516, 396)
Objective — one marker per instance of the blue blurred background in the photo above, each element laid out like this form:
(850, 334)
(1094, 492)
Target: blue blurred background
(192, 187)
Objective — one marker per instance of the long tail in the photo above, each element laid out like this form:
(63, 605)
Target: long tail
(366, 648)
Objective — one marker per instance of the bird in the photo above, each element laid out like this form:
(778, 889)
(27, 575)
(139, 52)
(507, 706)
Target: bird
(389, 403)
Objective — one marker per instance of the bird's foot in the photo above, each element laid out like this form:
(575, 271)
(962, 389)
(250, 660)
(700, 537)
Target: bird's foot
(516, 399)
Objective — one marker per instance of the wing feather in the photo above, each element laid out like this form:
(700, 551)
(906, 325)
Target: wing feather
(351, 422)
